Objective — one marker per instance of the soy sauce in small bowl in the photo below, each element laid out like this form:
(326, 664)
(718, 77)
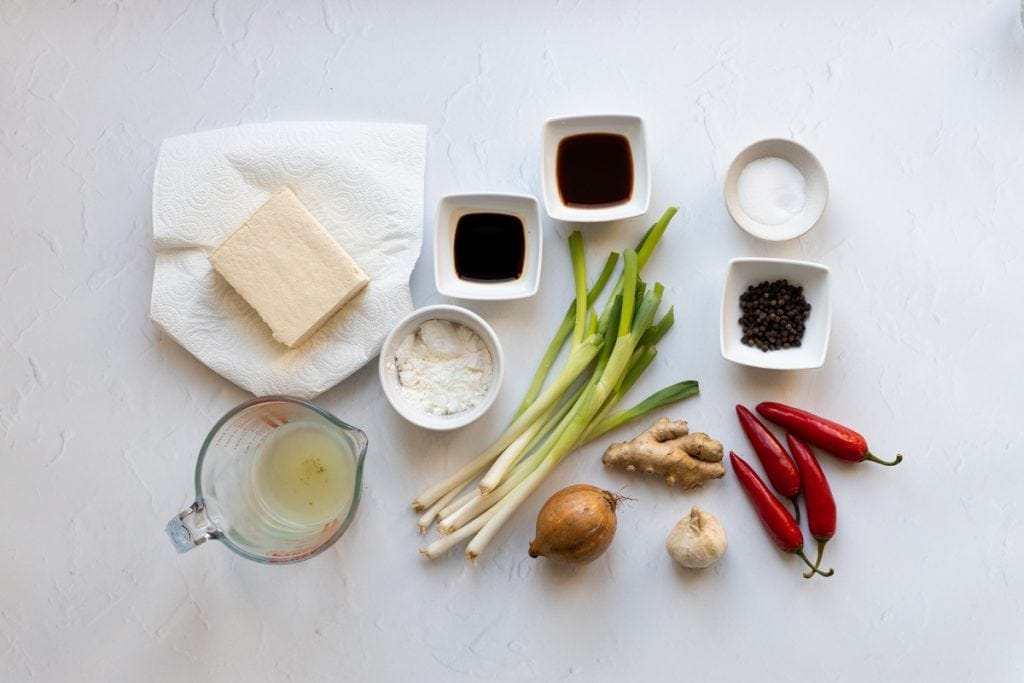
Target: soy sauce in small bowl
(595, 168)
(489, 247)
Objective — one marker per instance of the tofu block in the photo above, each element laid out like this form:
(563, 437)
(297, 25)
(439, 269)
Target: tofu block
(289, 268)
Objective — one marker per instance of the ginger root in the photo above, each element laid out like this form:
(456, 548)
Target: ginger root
(669, 449)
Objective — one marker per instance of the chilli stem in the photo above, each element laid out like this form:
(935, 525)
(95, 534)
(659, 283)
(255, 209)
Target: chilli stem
(821, 550)
(814, 570)
(888, 463)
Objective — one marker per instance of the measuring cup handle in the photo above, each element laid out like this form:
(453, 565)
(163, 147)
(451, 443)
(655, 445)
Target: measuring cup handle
(190, 528)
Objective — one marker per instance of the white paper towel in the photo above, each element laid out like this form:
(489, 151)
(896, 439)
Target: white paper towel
(362, 181)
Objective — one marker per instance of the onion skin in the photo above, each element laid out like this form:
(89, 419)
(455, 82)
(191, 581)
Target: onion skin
(576, 525)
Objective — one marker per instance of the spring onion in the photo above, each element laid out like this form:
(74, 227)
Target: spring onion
(608, 352)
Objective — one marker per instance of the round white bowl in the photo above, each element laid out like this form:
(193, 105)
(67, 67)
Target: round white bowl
(388, 368)
(816, 189)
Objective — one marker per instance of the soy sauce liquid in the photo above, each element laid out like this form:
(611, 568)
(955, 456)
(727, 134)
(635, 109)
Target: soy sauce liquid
(489, 247)
(594, 169)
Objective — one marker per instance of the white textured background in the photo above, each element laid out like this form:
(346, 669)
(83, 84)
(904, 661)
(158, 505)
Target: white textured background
(916, 110)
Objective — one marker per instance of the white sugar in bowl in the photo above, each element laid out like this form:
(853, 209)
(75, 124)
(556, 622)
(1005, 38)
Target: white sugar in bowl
(776, 190)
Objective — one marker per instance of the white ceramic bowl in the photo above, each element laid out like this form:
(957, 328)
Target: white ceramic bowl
(815, 192)
(627, 125)
(453, 207)
(744, 272)
(388, 368)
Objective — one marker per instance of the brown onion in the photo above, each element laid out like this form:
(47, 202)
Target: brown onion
(575, 525)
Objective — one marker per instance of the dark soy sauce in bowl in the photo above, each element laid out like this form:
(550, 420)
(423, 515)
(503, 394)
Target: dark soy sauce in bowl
(489, 247)
(594, 170)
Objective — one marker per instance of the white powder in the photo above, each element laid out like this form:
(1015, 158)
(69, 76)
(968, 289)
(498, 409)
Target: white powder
(444, 367)
(771, 190)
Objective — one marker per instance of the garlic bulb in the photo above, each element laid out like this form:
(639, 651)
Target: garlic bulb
(697, 541)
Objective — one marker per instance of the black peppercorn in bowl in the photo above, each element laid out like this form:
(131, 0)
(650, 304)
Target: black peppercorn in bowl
(775, 313)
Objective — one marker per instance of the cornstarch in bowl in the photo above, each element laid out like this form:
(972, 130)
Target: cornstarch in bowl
(444, 368)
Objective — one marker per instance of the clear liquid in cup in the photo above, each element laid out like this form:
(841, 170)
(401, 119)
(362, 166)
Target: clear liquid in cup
(304, 474)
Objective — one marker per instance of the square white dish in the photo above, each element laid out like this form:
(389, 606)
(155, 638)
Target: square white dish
(813, 277)
(629, 126)
(453, 207)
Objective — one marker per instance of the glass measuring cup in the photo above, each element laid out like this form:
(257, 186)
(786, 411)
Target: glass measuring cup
(277, 481)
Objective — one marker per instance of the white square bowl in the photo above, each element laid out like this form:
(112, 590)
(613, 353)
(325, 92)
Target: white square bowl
(453, 207)
(744, 272)
(629, 126)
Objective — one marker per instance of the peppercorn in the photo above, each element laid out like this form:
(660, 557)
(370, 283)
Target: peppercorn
(773, 315)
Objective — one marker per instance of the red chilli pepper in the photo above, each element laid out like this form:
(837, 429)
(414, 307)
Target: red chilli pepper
(840, 441)
(777, 521)
(821, 506)
(780, 468)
